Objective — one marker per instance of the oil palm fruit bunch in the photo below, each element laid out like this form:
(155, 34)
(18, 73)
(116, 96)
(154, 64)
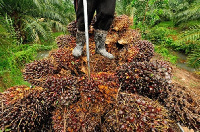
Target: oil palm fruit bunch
(25, 109)
(72, 28)
(63, 58)
(74, 118)
(183, 107)
(150, 79)
(132, 112)
(121, 22)
(69, 96)
(58, 83)
(65, 41)
(129, 36)
(146, 50)
(36, 70)
(101, 88)
(112, 37)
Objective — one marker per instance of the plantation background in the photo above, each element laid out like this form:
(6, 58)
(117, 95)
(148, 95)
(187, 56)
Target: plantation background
(28, 27)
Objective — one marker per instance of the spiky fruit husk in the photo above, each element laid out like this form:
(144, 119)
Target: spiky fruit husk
(25, 110)
(150, 79)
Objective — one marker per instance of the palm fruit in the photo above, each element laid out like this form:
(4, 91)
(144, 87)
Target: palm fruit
(121, 23)
(69, 97)
(39, 69)
(72, 28)
(101, 88)
(112, 37)
(24, 109)
(129, 36)
(126, 54)
(132, 112)
(150, 79)
(58, 83)
(74, 118)
(100, 63)
(63, 58)
(146, 50)
(65, 41)
(183, 107)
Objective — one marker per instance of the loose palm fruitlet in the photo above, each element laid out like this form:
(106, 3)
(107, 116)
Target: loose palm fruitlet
(137, 113)
(25, 109)
(150, 79)
(146, 50)
(183, 107)
(65, 41)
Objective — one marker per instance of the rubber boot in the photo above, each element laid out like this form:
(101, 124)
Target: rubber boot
(80, 41)
(100, 38)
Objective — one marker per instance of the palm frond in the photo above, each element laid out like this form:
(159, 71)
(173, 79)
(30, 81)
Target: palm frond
(189, 36)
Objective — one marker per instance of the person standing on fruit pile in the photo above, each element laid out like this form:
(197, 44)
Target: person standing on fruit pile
(105, 13)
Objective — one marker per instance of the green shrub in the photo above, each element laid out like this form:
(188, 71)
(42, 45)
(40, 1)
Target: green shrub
(193, 59)
(166, 54)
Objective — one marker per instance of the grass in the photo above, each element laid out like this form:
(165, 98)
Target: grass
(14, 58)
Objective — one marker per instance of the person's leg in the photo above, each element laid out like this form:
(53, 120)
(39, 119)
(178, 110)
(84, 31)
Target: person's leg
(80, 36)
(91, 4)
(105, 15)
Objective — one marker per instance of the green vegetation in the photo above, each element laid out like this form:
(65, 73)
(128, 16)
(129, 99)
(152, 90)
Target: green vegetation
(170, 24)
(26, 28)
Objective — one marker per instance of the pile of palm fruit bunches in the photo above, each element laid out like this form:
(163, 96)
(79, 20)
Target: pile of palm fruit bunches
(128, 93)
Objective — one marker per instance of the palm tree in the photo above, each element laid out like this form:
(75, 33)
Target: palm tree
(34, 19)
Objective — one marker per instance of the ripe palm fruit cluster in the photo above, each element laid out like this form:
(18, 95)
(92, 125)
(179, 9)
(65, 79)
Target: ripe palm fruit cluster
(129, 36)
(151, 79)
(121, 22)
(24, 109)
(183, 107)
(132, 112)
(64, 41)
(38, 69)
(146, 50)
(72, 28)
(63, 58)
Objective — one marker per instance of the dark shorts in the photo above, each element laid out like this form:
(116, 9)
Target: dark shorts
(105, 10)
